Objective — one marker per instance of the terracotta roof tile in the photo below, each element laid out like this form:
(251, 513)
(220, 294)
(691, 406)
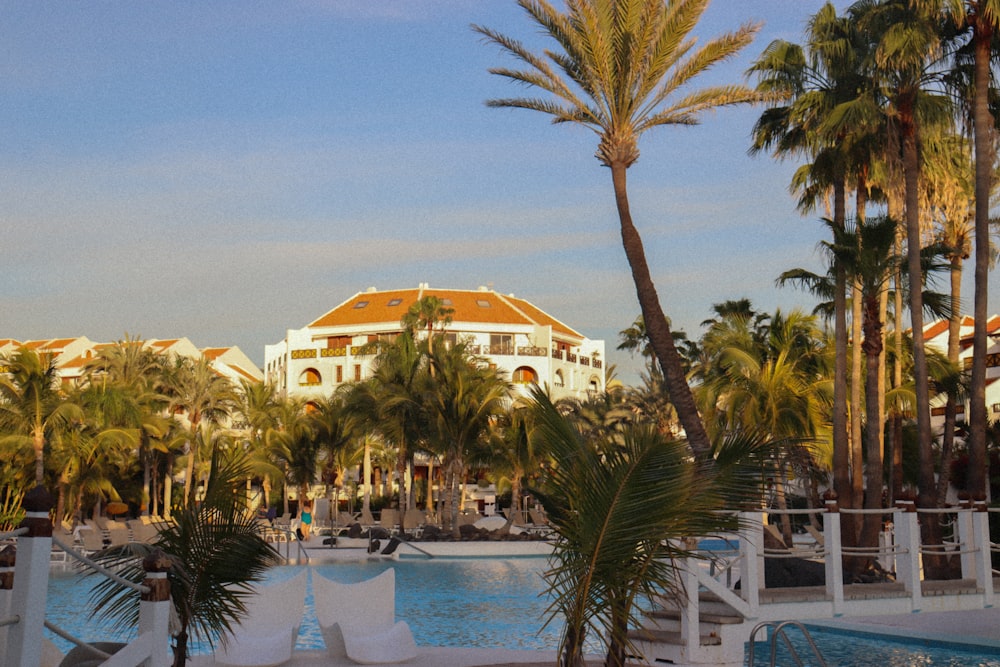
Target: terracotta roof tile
(388, 307)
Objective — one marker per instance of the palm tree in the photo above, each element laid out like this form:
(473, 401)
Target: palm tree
(398, 383)
(216, 555)
(334, 429)
(821, 83)
(771, 377)
(427, 313)
(619, 510)
(200, 394)
(293, 447)
(623, 68)
(135, 368)
(31, 405)
(982, 17)
(461, 403)
(908, 43)
(261, 408)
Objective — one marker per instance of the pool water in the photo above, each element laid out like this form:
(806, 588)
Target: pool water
(852, 650)
(491, 603)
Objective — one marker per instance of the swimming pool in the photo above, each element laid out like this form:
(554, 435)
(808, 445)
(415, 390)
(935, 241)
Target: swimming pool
(492, 603)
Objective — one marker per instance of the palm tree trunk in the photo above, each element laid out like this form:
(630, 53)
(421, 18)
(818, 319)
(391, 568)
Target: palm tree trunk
(857, 384)
(983, 124)
(657, 327)
(873, 472)
(911, 171)
(951, 407)
(841, 446)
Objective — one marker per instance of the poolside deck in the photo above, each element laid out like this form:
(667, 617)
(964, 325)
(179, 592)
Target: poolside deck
(429, 656)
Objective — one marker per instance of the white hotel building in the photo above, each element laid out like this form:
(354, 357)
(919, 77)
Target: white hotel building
(529, 345)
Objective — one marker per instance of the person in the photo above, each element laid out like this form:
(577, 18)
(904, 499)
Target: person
(305, 521)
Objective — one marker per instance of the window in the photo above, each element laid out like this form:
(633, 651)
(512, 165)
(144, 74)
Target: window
(340, 374)
(501, 344)
(446, 302)
(310, 377)
(394, 302)
(558, 381)
(337, 342)
(483, 303)
(361, 304)
(525, 375)
(357, 372)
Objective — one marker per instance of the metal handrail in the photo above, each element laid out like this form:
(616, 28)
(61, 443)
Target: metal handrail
(139, 588)
(778, 630)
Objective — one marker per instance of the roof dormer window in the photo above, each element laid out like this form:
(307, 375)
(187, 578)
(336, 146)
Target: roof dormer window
(361, 304)
(483, 303)
(394, 302)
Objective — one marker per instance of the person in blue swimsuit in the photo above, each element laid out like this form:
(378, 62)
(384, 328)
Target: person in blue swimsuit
(305, 520)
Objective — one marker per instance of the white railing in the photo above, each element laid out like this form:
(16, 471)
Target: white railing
(23, 599)
(900, 548)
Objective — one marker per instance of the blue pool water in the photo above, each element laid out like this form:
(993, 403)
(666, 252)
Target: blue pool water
(501, 603)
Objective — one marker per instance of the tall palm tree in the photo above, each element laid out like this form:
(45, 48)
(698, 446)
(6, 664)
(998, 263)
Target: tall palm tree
(820, 83)
(199, 394)
(461, 403)
(908, 44)
(982, 17)
(31, 405)
(622, 68)
(398, 383)
(136, 369)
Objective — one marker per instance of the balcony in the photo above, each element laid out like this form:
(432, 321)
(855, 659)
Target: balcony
(531, 351)
(584, 361)
(557, 354)
(501, 350)
(366, 350)
(333, 352)
(304, 354)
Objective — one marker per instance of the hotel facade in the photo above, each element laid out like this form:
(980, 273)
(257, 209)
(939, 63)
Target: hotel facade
(526, 343)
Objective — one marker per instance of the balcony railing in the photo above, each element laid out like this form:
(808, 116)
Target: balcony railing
(557, 354)
(333, 352)
(304, 354)
(584, 361)
(531, 351)
(365, 350)
(503, 349)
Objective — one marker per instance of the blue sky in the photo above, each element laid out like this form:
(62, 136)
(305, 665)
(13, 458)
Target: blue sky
(227, 170)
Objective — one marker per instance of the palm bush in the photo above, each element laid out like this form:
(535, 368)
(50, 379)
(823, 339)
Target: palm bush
(620, 507)
(216, 553)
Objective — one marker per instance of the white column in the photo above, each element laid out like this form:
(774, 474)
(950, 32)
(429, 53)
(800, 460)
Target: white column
(31, 584)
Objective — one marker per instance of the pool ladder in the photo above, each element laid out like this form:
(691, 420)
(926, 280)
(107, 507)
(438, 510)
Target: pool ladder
(778, 630)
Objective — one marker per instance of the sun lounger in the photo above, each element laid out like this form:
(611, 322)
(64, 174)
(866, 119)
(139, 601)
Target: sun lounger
(358, 620)
(266, 636)
(388, 519)
(92, 539)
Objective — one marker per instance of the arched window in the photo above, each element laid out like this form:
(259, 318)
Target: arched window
(310, 377)
(524, 375)
(311, 407)
(558, 380)
(595, 384)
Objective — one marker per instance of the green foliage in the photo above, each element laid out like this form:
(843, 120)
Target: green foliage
(216, 553)
(620, 509)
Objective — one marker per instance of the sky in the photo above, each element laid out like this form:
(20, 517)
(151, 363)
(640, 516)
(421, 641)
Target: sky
(228, 170)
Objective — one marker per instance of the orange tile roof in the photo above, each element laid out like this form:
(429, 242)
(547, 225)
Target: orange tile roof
(9, 341)
(243, 373)
(935, 329)
(478, 306)
(213, 353)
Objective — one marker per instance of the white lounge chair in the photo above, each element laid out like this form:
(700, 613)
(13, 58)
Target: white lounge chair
(266, 635)
(358, 621)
